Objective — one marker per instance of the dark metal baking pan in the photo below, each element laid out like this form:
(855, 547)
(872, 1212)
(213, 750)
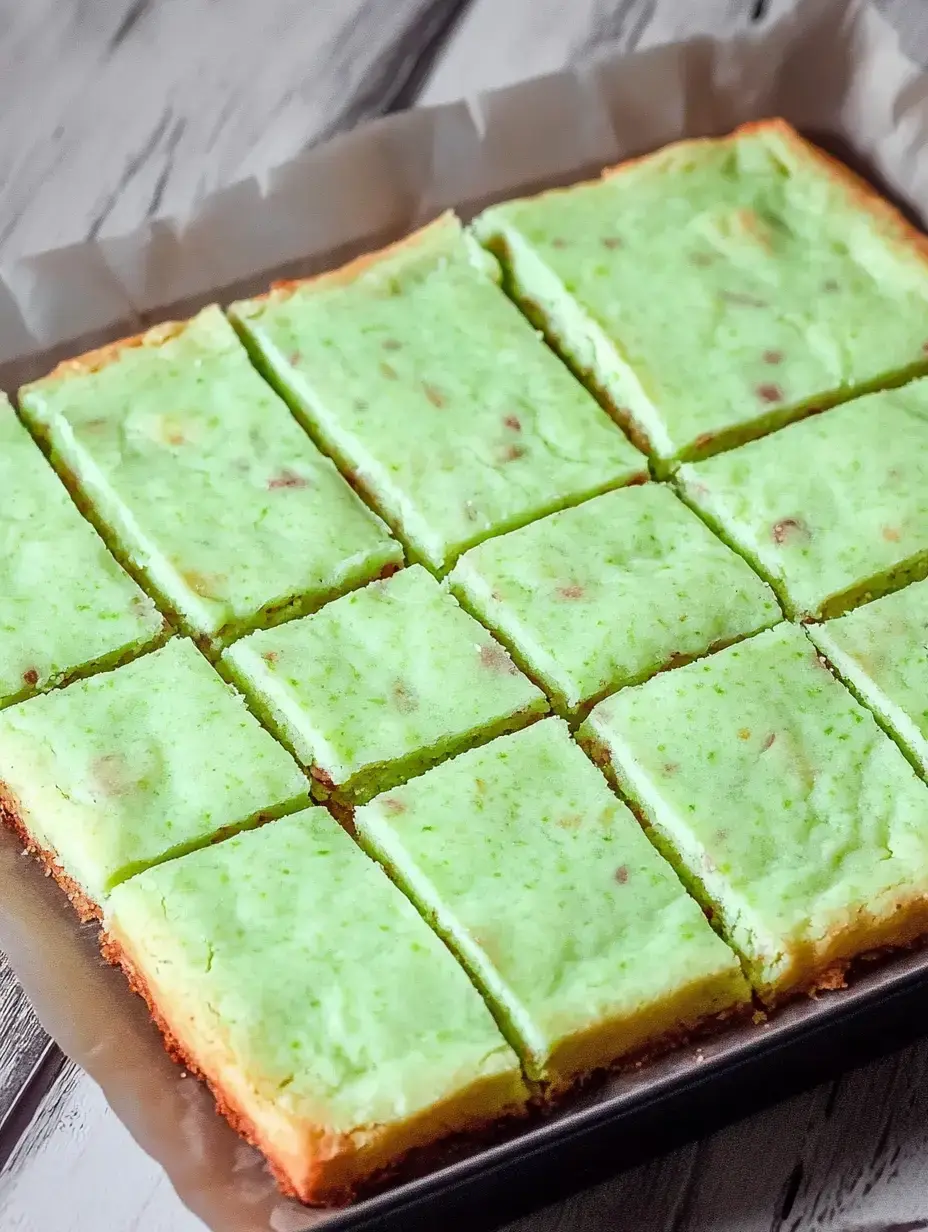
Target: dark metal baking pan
(636, 1115)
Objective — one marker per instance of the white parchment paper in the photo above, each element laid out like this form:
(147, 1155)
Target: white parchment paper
(834, 68)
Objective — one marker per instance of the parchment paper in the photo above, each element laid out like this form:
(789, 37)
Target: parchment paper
(833, 68)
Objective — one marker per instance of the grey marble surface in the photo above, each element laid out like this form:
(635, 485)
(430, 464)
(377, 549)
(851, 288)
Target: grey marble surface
(114, 111)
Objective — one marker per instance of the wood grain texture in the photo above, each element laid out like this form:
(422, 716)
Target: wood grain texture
(22, 1043)
(77, 1170)
(498, 43)
(114, 111)
(849, 1156)
(145, 106)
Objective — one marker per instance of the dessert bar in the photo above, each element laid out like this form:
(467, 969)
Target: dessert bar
(427, 386)
(720, 288)
(334, 1028)
(202, 482)
(881, 653)
(381, 684)
(833, 511)
(783, 805)
(66, 606)
(612, 591)
(138, 765)
(575, 929)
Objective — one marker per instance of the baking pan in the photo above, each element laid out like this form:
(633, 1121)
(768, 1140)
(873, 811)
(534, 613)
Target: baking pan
(833, 68)
(669, 1102)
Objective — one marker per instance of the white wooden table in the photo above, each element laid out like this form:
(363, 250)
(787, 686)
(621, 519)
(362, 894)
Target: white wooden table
(115, 110)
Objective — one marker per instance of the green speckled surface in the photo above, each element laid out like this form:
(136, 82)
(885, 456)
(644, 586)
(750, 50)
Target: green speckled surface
(881, 650)
(293, 951)
(382, 683)
(612, 591)
(545, 884)
(791, 811)
(66, 606)
(719, 287)
(117, 772)
(830, 510)
(421, 378)
(207, 485)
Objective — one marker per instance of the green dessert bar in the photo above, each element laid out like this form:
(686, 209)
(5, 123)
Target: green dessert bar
(203, 482)
(832, 511)
(608, 593)
(575, 929)
(781, 803)
(426, 385)
(720, 288)
(121, 771)
(66, 606)
(334, 1028)
(381, 684)
(881, 653)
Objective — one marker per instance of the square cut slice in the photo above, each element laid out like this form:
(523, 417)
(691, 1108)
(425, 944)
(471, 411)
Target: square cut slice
(881, 653)
(332, 1025)
(136, 766)
(381, 684)
(427, 386)
(780, 801)
(612, 591)
(202, 481)
(832, 511)
(720, 288)
(576, 931)
(66, 606)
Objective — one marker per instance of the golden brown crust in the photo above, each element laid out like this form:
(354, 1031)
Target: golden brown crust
(676, 1038)
(856, 187)
(421, 1159)
(115, 954)
(11, 815)
(895, 932)
(353, 269)
(863, 194)
(340, 1170)
(102, 357)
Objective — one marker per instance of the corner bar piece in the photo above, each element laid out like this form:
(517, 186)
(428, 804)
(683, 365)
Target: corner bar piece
(719, 288)
(334, 1028)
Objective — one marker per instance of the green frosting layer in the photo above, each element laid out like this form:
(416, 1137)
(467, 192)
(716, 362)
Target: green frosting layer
(204, 482)
(424, 382)
(719, 288)
(382, 684)
(782, 802)
(66, 607)
(832, 511)
(576, 930)
(881, 651)
(294, 960)
(608, 593)
(129, 768)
